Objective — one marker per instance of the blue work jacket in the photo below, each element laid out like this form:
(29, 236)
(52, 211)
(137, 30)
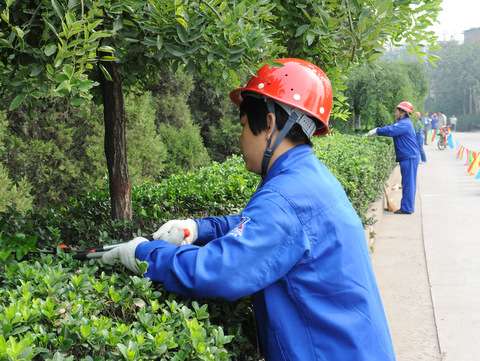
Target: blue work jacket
(420, 137)
(404, 138)
(299, 248)
(427, 122)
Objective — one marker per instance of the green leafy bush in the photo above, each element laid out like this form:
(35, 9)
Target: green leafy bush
(48, 146)
(360, 164)
(224, 137)
(147, 154)
(177, 130)
(60, 309)
(16, 196)
(374, 90)
(64, 310)
(217, 189)
(185, 149)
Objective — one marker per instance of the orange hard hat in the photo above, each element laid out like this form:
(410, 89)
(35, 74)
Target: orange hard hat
(296, 83)
(406, 106)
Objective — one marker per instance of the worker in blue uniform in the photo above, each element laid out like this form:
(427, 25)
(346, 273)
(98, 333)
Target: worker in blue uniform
(298, 247)
(407, 153)
(419, 134)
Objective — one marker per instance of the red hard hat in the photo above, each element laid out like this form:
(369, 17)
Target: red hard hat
(297, 83)
(406, 106)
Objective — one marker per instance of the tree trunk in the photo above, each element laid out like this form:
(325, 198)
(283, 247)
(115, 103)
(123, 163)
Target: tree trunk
(115, 144)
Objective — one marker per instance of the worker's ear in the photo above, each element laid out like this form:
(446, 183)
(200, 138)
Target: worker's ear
(271, 124)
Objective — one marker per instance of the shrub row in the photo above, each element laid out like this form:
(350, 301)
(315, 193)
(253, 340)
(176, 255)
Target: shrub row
(60, 309)
(360, 164)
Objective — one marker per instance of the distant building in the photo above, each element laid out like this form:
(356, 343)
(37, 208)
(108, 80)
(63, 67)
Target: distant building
(472, 36)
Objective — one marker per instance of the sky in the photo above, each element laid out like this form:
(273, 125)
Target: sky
(456, 17)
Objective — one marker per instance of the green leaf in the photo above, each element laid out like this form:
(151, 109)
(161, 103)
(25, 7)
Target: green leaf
(117, 24)
(50, 49)
(108, 58)
(4, 43)
(182, 34)
(5, 15)
(20, 329)
(310, 38)
(68, 70)
(301, 29)
(86, 85)
(19, 32)
(77, 101)
(182, 22)
(72, 4)
(106, 49)
(64, 88)
(98, 35)
(36, 70)
(175, 51)
(17, 101)
(50, 69)
(159, 42)
(58, 60)
(51, 27)
(105, 72)
(85, 330)
(57, 8)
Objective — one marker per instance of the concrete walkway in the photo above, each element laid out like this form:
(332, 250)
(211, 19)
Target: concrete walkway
(428, 264)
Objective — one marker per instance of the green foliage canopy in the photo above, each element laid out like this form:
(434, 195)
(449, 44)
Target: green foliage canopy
(52, 48)
(455, 81)
(339, 34)
(374, 90)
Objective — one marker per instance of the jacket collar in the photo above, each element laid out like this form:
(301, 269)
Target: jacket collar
(403, 119)
(287, 160)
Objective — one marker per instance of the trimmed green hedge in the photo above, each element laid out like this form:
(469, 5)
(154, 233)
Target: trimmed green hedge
(60, 309)
(65, 310)
(361, 165)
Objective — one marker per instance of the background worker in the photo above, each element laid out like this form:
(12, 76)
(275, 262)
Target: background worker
(419, 134)
(298, 247)
(427, 125)
(453, 123)
(442, 120)
(407, 153)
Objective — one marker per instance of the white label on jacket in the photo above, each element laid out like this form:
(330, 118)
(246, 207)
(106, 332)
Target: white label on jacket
(238, 230)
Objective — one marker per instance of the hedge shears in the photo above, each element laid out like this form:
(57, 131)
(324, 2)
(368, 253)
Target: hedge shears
(98, 252)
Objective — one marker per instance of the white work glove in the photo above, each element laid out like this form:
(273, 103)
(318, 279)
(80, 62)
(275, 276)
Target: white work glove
(125, 254)
(371, 132)
(178, 231)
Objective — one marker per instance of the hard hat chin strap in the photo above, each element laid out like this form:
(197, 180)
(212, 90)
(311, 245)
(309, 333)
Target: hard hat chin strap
(267, 155)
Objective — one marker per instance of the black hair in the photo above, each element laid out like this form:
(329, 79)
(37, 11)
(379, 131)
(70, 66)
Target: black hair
(256, 111)
(405, 113)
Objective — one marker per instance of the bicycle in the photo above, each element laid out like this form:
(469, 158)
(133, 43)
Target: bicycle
(442, 138)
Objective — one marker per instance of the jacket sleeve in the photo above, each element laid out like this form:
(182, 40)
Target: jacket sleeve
(214, 227)
(393, 130)
(262, 248)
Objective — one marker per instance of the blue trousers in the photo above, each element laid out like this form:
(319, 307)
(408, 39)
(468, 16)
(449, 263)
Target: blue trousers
(420, 140)
(408, 169)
